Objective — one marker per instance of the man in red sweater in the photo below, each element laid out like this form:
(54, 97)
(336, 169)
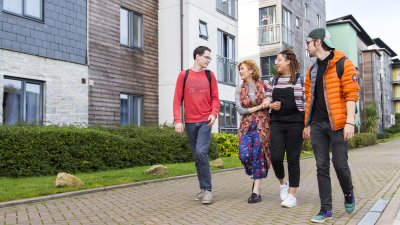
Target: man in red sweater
(200, 97)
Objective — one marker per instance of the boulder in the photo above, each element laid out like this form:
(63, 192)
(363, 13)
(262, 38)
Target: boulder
(67, 180)
(157, 170)
(217, 163)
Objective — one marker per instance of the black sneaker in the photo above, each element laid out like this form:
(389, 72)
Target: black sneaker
(254, 198)
(349, 202)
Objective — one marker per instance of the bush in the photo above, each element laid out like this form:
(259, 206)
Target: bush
(306, 146)
(383, 135)
(362, 140)
(35, 150)
(227, 144)
(393, 129)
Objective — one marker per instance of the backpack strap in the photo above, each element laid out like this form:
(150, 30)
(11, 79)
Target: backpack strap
(340, 67)
(208, 75)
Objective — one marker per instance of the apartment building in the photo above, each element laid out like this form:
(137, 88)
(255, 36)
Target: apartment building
(396, 84)
(386, 105)
(266, 27)
(123, 62)
(43, 62)
(184, 25)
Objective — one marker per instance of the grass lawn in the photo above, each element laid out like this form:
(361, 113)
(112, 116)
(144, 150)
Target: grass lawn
(20, 188)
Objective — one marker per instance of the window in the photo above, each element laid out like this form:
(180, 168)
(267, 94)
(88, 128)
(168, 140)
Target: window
(130, 29)
(227, 7)
(268, 30)
(131, 109)
(287, 33)
(227, 119)
(28, 8)
(318, 21)
(306, 12)
(226, 64)
(297, 22)
(268, 67)
(203, 30)
(22, 101)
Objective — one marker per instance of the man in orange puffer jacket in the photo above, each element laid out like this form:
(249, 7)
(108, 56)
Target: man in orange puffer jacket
(329, 118)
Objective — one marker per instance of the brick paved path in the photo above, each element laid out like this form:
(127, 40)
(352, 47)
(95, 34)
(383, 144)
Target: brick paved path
(375, 173)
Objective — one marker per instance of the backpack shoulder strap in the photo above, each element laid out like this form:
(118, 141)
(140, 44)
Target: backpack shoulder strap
(184, 83)
(340, 67)
(208, 75)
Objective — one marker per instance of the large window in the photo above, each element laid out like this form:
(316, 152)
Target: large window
(28, 8)
(268, 67)
(228, 7)
(131, 109)
(268, 30)
(226, 58)
(22, 101)
(130, 28)
(287, 32)
(227, 117)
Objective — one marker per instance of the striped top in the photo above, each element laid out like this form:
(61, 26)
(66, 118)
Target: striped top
(283, 82)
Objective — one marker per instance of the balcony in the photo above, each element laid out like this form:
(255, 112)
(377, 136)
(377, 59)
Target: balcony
(396, 99)
(271, 34)
(228, 8)
(396, 82)
(226, 70)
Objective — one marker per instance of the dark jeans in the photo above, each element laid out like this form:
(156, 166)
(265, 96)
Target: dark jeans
(322, 137)
(199, 135)
(289, 137)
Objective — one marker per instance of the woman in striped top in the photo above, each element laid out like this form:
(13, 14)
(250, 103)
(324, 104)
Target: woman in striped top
(287, 123)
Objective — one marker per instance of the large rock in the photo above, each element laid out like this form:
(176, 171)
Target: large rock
(217, 163)
(157, 170)
(67, 180)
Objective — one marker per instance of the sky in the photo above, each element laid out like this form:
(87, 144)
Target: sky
(380, 19)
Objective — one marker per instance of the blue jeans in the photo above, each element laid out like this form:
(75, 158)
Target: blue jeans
(199, 135)
(322, 137)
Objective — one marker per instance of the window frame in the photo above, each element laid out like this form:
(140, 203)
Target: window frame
(22, 104)
(201, 35)
(226, 55)
(234, 6)
(222, 119)
(23, 9)
(131, 27)
(271, 61)
(131, 106)
(306, 12)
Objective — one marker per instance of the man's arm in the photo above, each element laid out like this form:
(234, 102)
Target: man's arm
(177, 103)
(215, 102)
(350, 92)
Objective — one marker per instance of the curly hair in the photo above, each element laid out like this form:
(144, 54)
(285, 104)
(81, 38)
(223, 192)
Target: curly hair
(294, 65)
(251, 65)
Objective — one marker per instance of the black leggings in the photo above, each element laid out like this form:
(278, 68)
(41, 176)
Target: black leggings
(289, 137)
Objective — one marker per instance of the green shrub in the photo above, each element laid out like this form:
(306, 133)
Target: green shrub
(306, 146)
(39, 150)
(228, 144)
(371, 118)
(362, 140)
(383, 135)
(393, 129)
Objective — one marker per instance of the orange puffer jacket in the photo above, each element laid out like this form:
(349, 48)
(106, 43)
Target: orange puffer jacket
(336, 91)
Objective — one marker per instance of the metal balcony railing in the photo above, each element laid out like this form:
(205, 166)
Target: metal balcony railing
(269, 34)
(226, 70)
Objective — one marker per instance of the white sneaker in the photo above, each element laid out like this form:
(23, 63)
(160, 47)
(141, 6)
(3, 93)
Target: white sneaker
(207, 198)
(289, 202)
(283, 191)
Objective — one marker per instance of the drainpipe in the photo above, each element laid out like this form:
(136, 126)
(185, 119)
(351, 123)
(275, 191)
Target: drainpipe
(181, 30)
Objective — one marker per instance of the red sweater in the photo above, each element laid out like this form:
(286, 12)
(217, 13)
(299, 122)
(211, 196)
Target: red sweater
(199, 105)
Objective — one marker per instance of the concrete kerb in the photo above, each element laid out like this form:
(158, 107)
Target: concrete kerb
(92, 190)
(392, 211)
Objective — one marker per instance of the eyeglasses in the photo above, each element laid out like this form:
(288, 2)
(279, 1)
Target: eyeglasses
(279, 60)
(308, 42)
(207, 57)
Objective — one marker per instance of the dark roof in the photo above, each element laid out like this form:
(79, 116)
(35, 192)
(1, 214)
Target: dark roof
(382, 44)
(353, 22)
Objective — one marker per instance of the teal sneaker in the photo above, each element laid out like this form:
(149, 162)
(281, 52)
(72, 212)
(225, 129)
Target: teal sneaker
(349, 202)
(322, 216)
